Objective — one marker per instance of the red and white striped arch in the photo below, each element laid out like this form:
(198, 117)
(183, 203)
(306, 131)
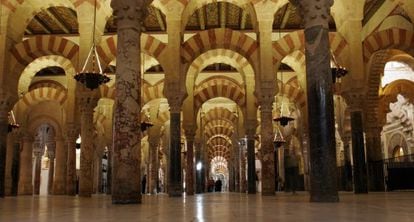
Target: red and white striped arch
(219, 113)
(38, 95)
(218, 87)
(388, 39)
(107, 49)
(220, 38)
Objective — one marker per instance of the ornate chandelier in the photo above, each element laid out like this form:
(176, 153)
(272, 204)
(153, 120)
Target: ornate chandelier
(12, 122)
(279, 140)
(92, 79)
(337, 70)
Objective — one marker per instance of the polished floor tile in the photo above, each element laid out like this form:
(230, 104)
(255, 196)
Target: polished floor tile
(373, 207)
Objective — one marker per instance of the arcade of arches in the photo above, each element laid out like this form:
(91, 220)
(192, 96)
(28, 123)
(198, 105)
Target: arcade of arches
(210, 75)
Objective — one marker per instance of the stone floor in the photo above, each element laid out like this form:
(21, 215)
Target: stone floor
(377, 207)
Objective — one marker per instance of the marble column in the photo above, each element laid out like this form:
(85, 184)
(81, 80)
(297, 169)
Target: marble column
(251, 160)
(198, 160)
(153, 166)
(25, 174)
(51, 172)
(59, 183)
(70, 145)
(347, 164)
(15, 169)
(358, 153)
(9, 162)
(189, 135)
(267, 149)
(175, 188)
(374, 157)
(243, 181)
(236, 160)
(109, 172)
(316, 15)
(87, 105)
(4, 121)
(126, 174)
(37, 172)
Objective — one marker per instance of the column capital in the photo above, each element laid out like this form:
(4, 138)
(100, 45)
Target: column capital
(314, 13)
(175, 95)
(130, 14)
(355, 100)
(72, 132)
(190, 131)
(250, 126)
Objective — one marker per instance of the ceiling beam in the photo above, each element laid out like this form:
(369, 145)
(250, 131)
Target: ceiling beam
(243, 19)
(58, 20)
(222, 14)
(42, 24)
(159, 18)
(201, 19)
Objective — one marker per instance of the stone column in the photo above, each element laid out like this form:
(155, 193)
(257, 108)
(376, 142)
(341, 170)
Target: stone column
(243, 181)
(189, 135)
(59, 183)
(267, 149)
(109, 172)
(374, 157)
(175, 188)
(251, 158)
(87, 105)
(236, 161)
(316, 15)
(37, 151)
(153, 166)
(9, 162)
(358, 153)
(51, 171)
(197, 146)
(126, 175)
(347, 164)
(25, 175)
(70, 146)
(5, 104)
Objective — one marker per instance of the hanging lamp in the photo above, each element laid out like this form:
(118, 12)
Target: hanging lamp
(94, 78)
(279, 140)
(12, 122)
(337, 70)
(283, 119)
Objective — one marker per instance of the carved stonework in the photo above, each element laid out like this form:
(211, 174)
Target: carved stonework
(355, 100)
(87, 104)
(315, 13)
(130, 14)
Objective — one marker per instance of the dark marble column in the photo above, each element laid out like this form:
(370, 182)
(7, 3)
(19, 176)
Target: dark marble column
(175, 188)
(51, 172)
(189, 135)
(37, 172)
(109, 172)
(9, 163)
(347, 164)
(198, 160)
(59, 183)
(251, 160)
(153, 166)
(126, 174)
(71, 136)
(267, 149)
(374, 157)
(25, 174)
(358, 153)
(243, 181)
(87, 105)
(323, 175)
(4, 108)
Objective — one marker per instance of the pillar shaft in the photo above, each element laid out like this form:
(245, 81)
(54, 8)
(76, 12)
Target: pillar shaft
(25, 175)
(153, 166)
(175, 183)
(70, 146)
(251, 164)
(374, 156)
(59, 183)
(347, 165)
(86, 159)
(126, 173)
(199, 188)
(268, 165)
(37, 173)
(320, 101)
(190, 163)
(358, 153)
(51, 174)
(3, 144)
(9, 163)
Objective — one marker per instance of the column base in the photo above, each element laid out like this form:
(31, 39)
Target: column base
(268, 193)
(25, 189)
(126, 199)
(324, 198)
(175, 191)
(59, 188)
